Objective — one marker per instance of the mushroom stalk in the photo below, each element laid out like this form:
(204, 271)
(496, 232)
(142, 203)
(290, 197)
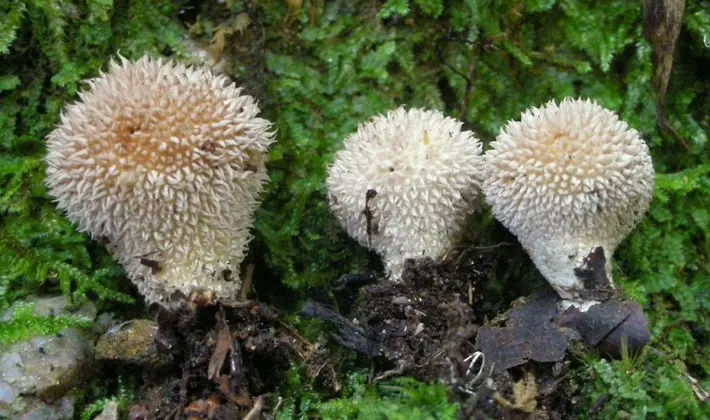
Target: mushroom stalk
(570, 181)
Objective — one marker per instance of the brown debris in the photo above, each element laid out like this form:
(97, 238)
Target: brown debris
(537, 331)
(349, 335)
(524, 395)
(225, 355)
(414, 327)
(663, 20)
(367, 212)
(139, 412)
(593, 275)
(223, 347)
(247, 279)
(530, 333)
(201, 409)
(255, 411)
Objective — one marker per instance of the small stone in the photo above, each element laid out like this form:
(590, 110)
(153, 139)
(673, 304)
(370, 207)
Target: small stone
(401, 300)
(103, 323)
(36, 374)
(133, 342)
(46, 366)
(36, 409)
(110, 412)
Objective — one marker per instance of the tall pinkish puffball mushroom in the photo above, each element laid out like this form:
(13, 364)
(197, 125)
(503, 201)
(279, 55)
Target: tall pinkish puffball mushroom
(569, 181)
(166, 163)
(404, 183)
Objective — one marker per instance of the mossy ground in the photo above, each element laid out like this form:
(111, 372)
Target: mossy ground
(319, 68)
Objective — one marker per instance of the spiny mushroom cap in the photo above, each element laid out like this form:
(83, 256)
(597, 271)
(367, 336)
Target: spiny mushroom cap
(404, 183)
(565, 180)
(166, 163)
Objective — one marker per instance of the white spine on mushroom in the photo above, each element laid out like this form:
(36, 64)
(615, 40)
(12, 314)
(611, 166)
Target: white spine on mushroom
(422, 174)
(165, 162)
(565, 180)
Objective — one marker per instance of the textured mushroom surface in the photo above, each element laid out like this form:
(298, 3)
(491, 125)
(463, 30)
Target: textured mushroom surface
(567, 179)
(166, 163)
(404, 183)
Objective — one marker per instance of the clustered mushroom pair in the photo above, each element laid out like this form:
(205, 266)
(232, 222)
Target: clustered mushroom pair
(166, 164)
(569, 180)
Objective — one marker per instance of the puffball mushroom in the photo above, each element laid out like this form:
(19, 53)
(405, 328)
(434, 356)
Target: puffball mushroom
(404, 183)
(570, 181)
(166, 163)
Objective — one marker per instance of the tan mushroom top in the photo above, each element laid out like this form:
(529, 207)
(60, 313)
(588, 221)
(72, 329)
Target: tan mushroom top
(165, 162)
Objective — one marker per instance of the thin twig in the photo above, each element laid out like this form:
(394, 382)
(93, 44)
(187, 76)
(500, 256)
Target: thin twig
(666, 128)
(401, 368)
(469, 87)
(246, 283)
(255, 411)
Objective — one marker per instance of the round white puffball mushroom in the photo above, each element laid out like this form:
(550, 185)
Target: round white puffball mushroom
(404, 183)
(570, 181)
(166, 163)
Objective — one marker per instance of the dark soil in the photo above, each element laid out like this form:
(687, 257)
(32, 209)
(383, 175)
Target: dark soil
(440, 324)
(440, 320)
(426, 327)
(229, 361)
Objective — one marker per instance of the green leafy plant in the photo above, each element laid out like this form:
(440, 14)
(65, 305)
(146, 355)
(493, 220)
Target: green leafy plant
(642, 388)
(666, 268)
(100, 393)
(402, 398)
(25, 323)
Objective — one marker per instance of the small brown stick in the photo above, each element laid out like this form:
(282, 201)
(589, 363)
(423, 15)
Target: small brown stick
(246, 283)
(469, 87)
(401, 368)
(666, 128)
(255, 411)
(223, 347)
(307, 345)
(702, 395)
(368, 213)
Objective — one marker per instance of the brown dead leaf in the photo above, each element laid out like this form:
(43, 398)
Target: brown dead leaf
(530, 334)
(201, 409)
(538, 331)
(223, 347)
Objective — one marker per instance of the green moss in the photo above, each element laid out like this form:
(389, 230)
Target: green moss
(25, 323)
(664, 265)
(403, 398)
(651, 386)
(101, 391)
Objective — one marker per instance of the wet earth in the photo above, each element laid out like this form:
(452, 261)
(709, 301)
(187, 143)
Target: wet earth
(499, 360)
